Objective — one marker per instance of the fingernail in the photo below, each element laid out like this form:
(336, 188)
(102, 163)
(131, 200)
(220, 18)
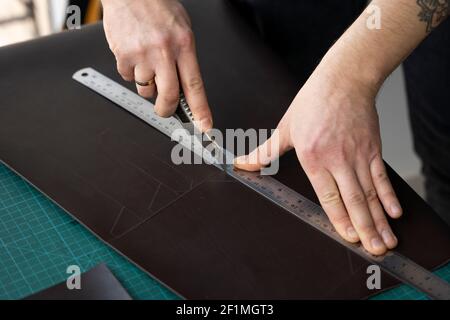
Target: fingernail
(387, 236)
(396, 210)
(352, 233)
(377, 244)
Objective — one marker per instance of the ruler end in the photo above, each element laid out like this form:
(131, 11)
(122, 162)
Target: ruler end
(80, 74)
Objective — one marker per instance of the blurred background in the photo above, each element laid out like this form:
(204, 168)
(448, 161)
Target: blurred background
(21, 20)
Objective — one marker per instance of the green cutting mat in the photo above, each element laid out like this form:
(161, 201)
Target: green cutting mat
(38, 241)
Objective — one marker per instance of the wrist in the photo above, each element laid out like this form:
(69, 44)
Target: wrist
(360, 58)
(352, 72)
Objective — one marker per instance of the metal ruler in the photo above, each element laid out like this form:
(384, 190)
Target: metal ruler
(392, 262)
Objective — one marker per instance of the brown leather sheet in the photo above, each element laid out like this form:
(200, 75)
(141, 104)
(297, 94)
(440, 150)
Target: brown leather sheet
(96, 284)
(190, 226)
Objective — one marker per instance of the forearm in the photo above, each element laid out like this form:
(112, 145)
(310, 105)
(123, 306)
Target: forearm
(367, 56)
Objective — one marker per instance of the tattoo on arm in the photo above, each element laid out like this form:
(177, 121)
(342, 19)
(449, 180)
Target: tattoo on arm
(433, 12)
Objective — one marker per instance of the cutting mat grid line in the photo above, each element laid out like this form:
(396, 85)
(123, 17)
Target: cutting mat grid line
(38, 241)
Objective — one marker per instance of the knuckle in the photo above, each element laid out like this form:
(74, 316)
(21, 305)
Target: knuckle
(161, 40)
(381, 177)
(306, 154)
(371, 195)
(367, 229)
(124, 73)
(121, 53)
(138, 52)
(122, 68)
(370, 146)
(331, 198)
(186, 38)
(195, 85)
(375, 150)
(120, 56)
(339, 157)
(335, 157)
(310, 152)
(356, 198)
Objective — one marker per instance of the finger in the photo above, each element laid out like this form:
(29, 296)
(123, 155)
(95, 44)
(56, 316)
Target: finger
(378, 215)
(192, 84)
(270, 150)
(384, 188)
(357, 208)
(328, 193)
(126, 70)
(168, 88)
(145, 80)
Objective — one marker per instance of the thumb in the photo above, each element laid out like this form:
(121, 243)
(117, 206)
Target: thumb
(262, 156)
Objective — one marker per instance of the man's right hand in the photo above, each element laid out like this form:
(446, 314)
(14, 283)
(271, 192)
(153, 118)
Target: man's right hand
(153, 44)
